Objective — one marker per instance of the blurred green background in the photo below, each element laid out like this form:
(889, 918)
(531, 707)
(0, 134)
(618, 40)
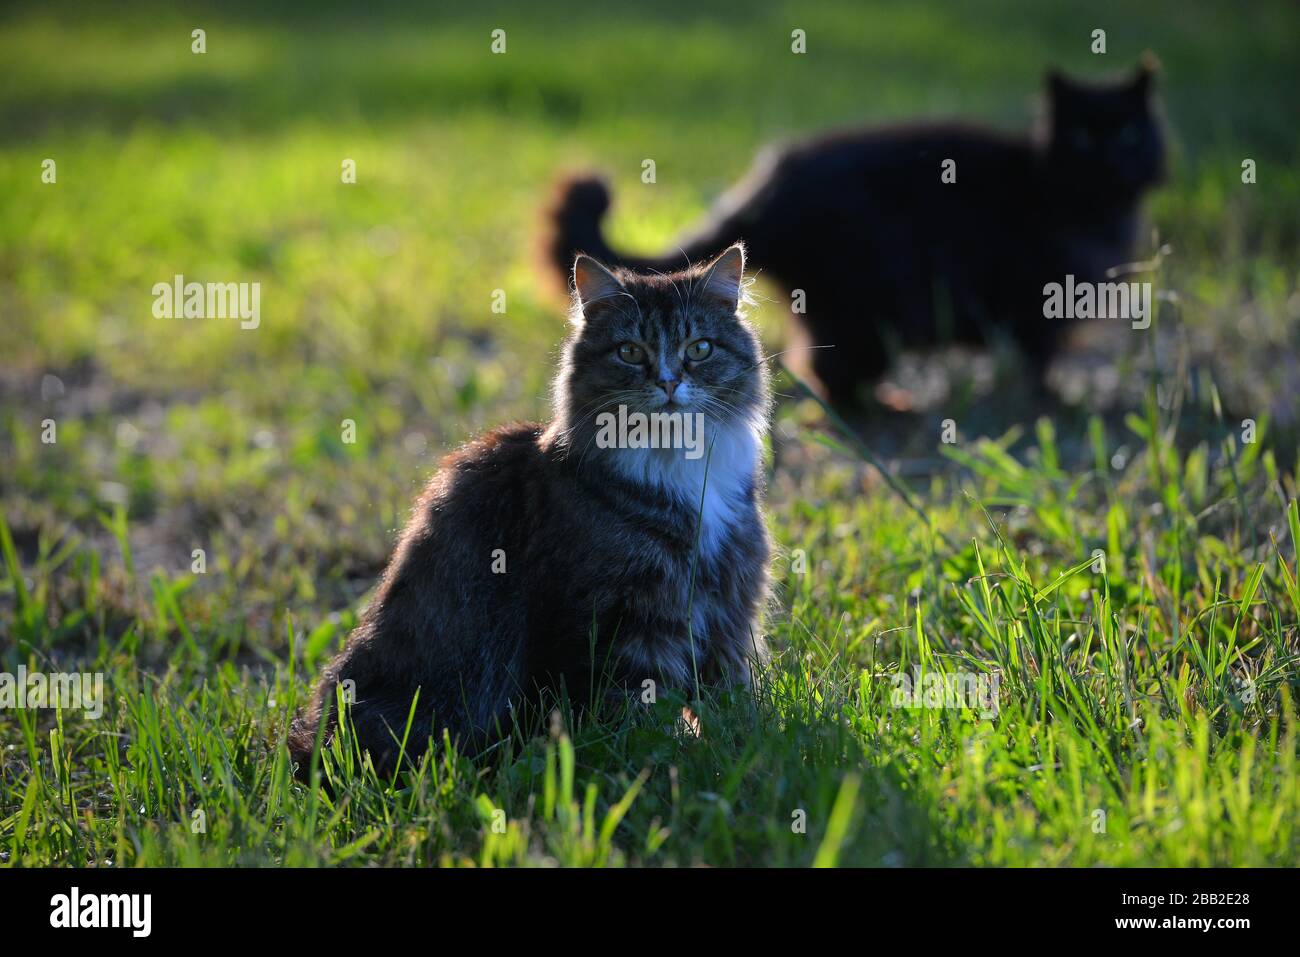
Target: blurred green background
(376, 297)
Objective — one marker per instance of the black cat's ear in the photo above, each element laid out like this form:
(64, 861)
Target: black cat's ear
(1145, 75)
(593, 282)
(725, 274)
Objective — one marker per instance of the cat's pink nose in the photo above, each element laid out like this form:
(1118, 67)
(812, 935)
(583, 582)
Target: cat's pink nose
(669, 386)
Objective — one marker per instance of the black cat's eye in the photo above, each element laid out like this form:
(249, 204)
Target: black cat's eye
(699, 349)
(1081, 139)
(631, 353)
(1129, 135)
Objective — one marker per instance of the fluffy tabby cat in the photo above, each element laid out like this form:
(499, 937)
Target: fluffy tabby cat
(610, 559)
(890, 255)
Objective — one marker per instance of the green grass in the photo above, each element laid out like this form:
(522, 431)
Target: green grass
(1154, 695)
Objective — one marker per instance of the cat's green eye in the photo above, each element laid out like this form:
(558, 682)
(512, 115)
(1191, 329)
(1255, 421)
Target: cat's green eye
(631, 352)
(699, 349)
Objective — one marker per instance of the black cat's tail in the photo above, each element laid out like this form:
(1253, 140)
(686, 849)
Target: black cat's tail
(573, 225)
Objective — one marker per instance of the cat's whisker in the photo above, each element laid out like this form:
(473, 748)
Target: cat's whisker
(784, 395)
(723, 410)
(608, 397)
(600, 403)
(783, 352)
(609, 400)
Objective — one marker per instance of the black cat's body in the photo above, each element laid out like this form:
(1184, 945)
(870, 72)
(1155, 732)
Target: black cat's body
(886, 253)
(536, 561)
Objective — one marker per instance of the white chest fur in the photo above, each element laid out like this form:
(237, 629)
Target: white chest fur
(715, 486)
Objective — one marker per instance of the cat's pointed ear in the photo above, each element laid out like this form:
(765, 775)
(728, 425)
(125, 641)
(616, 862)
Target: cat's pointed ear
(726, 274)
(593, 282)
(1056, 81)
(1145, 75)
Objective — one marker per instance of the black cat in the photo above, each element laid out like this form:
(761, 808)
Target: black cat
(888, 253)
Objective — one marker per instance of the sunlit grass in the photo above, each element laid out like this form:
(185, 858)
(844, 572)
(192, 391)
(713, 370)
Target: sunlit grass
(1146, 711)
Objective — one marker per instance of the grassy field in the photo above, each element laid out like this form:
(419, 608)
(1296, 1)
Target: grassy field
(1147, 698)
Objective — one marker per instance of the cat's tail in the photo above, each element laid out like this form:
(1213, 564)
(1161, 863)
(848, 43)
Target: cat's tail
(315, 720)
(301, 741)
(573, 225)
(376, 725)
